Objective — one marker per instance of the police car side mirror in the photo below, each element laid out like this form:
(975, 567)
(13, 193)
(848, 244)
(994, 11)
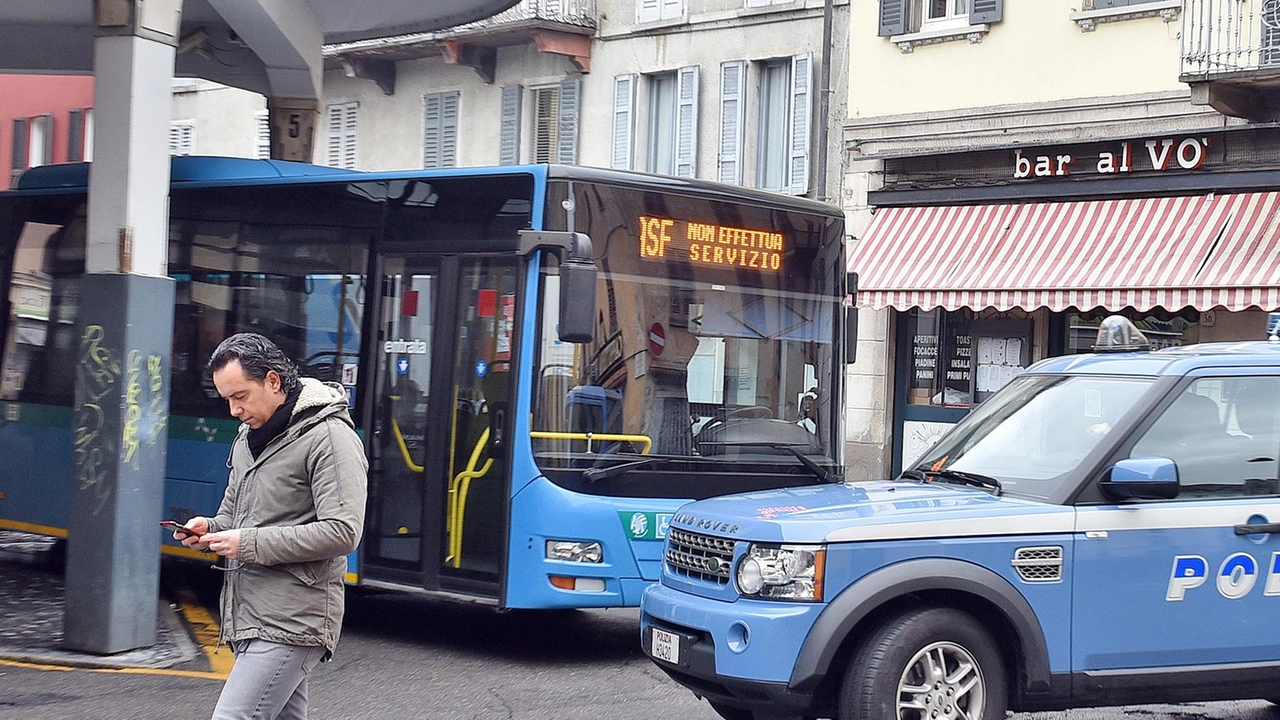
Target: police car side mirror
(1144, 478)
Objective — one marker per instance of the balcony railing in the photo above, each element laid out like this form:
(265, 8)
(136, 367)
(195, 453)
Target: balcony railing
(567, 12)
(1230, 37)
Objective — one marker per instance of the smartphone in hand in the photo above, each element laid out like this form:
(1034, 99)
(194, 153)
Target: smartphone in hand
(178, 528)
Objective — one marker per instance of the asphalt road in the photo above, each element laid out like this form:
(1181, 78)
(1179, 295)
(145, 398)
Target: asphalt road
(405, 657)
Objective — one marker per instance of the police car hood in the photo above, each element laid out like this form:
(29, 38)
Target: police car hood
(888, 509)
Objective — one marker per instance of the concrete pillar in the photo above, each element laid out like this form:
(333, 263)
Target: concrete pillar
(126, 320)
(293, 127)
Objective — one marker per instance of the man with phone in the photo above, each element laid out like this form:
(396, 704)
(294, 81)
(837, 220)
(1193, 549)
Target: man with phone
(293, 509)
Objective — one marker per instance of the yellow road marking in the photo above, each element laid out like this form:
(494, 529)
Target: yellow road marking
(206, 631)
(118, 671)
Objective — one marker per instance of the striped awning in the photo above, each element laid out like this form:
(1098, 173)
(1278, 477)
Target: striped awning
(1202, 251)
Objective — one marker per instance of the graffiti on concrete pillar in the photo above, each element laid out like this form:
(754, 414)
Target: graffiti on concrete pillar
(97, 372)
(142, 423)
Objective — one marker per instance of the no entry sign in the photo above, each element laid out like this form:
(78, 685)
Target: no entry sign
(657, 339)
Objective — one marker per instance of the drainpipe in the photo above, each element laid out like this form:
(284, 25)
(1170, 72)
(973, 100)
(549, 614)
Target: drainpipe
(824, 106)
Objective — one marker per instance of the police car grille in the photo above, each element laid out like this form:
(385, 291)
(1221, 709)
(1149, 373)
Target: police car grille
(699, 556)
(1038, 564)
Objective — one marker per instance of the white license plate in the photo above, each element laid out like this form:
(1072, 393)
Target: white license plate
(666, 646)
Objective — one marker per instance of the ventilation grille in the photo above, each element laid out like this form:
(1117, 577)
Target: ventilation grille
(1039, 564)
(699, 556)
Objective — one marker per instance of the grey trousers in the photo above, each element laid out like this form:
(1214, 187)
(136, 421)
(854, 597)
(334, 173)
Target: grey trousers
(268, 682)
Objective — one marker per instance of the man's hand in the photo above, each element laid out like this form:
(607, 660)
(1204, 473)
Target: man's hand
(225, 543)
(199, 526)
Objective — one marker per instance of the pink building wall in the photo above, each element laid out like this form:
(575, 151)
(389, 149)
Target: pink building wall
(29, 97)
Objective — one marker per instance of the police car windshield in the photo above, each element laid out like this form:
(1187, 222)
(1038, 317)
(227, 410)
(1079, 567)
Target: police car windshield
(1033, 433)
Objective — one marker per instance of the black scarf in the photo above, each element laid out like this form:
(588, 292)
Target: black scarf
(271, 429)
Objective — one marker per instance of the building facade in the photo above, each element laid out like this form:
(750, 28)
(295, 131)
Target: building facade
(44, 119)
(1017, 171)
(717, 89)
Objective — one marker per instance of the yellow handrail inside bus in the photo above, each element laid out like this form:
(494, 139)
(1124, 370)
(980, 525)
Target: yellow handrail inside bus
(589, 437)
(458, 498)
(404, 449)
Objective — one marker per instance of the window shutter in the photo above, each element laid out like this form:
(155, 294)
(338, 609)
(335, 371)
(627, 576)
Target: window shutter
(624, 94)
(986, 11)
(567, 127)
(672, 9)
(333, 144)
(431, 130)
(546, 114)
(19, 162)
(181, 137)
(732, 113)
(893, 17)
(449, 129)
(75, 136)
(509, 141)
(687, 122)
(48, 139)
(801, 113)
(350, 124)
(262, 138)
(648, 11)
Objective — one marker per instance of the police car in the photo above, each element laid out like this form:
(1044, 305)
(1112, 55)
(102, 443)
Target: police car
(1105, 530)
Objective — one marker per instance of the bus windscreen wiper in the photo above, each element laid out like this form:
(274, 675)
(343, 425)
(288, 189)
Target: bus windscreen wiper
(604, 473)
(820, 472)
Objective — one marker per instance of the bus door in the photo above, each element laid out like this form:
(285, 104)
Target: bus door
(438, 472)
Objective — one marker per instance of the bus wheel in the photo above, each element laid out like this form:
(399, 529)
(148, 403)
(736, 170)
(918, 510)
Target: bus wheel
(931, 663)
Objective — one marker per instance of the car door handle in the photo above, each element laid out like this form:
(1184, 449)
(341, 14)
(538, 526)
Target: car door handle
(1258, 529)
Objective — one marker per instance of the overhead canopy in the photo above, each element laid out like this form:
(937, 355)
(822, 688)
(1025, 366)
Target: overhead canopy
(1202, 251)
(268, 46)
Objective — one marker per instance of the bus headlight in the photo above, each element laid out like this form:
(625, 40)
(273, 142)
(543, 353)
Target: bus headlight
(786, 572)
(575, 551)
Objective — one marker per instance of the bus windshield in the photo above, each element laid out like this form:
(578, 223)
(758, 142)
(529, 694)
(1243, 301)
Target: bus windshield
(715, 341)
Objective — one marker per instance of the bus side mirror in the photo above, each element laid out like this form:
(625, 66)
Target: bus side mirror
(577, 279)
(577, 301)
(851, 321)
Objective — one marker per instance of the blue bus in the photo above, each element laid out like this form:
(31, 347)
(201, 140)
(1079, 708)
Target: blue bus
(544, 362)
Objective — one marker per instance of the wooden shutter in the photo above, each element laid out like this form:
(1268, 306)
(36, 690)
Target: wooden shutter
(75, 136)
(431, 130)
(801, 115)
(333, 137)
(687, 121)
(19, 159)
(509, 135)
(546, 103)
(648, 11)
(567, 127)
(986, 11)
(181, 137)
(350, 124)
(733, 80)
(624, 95)
(893, 17)
(262, 135)
(48, 139)
(672, 9)
(449, 129)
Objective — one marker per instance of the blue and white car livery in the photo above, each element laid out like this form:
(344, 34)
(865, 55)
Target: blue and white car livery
(1105, 530)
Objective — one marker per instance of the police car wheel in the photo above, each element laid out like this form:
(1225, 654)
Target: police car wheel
(927, 664)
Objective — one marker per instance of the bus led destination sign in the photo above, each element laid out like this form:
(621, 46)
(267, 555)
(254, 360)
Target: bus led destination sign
(706, 244)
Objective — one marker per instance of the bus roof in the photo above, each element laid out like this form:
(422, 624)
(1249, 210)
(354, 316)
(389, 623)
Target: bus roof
(190, 171)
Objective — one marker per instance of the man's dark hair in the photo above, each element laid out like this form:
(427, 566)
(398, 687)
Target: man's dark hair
(257, 356)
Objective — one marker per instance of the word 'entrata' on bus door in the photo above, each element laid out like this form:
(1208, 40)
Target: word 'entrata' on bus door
(707, 244)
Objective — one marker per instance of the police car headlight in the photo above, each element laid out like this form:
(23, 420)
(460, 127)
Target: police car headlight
(782, 572)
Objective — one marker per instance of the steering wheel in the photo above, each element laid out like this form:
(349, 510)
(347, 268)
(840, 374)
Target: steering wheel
(751, 412)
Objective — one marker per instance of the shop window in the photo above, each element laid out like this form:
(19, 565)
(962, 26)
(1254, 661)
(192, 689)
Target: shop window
(960, 358)
(1161, 328)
